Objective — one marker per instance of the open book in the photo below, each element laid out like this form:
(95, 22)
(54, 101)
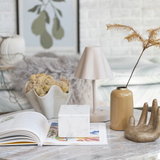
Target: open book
(33, 128)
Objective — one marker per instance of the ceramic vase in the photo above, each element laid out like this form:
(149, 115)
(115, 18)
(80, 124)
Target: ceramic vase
(121, 108)
(50, 104)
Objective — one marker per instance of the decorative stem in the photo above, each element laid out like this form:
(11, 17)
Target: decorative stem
(135, 66)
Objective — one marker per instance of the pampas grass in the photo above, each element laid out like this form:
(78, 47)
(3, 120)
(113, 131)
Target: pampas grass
(133, 35)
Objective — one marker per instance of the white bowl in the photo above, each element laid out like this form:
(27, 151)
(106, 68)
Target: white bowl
(50, 104)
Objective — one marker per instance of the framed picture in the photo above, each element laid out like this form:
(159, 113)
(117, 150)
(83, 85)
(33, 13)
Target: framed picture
(49, 25)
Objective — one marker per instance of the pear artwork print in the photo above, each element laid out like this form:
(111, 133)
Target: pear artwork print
(39, 25)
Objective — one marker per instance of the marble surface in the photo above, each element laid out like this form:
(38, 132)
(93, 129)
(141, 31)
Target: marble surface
(118, 148)
(74, 121)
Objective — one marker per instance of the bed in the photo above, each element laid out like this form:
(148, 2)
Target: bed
(145, 83)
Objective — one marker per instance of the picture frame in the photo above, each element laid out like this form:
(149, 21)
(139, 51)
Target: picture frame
(64, 43)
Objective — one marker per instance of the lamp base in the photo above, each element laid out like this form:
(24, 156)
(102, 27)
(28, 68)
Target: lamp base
(101, 115)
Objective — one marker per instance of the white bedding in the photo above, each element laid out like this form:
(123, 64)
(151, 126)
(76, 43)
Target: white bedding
(122, 67)
(145, 83)
(147, 72)
(141, 94)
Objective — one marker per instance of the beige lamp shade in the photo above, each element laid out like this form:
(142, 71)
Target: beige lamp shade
(93, 65)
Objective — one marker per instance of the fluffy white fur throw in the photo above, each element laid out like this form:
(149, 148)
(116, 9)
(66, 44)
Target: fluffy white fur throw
(58, 67)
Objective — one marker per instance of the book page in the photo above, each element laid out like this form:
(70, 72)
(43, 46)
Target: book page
(6, 122)
(29, 121)
(98, 136)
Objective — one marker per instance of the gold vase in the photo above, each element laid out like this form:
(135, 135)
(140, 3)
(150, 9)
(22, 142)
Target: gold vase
(121, 108)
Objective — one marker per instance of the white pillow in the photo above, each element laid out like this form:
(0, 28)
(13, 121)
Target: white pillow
(146, 72)
(155, 60)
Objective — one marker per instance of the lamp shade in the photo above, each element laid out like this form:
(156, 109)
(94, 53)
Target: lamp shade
(93, 65)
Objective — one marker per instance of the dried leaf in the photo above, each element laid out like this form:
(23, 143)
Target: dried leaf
(151, 41)
(153, 33)
(126, 28)
(145, 42)
(155, 43)
(119, 27)
(132, 37)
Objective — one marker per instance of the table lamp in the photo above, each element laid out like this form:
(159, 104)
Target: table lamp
(93, 66)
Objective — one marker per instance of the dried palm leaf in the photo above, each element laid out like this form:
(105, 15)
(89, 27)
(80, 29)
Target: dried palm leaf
(133, 37)
(119, 27)
(145, 42)
(151, 41)
(153, 33)
(155, 43)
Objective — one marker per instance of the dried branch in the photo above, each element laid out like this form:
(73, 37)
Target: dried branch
(151, 41)
(145, 43)
(135, 67)
(134, 36)
(155, 44)
(119, 27)
(153, 33)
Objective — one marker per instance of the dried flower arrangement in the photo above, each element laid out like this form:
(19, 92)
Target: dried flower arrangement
(134, 35)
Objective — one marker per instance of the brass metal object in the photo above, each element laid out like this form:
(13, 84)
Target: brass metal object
(144, 132)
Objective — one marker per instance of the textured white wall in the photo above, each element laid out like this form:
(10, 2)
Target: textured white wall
(8, 16)
(95, 14)
(139, 14)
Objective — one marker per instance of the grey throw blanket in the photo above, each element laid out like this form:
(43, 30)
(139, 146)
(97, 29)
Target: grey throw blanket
(58, 67)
